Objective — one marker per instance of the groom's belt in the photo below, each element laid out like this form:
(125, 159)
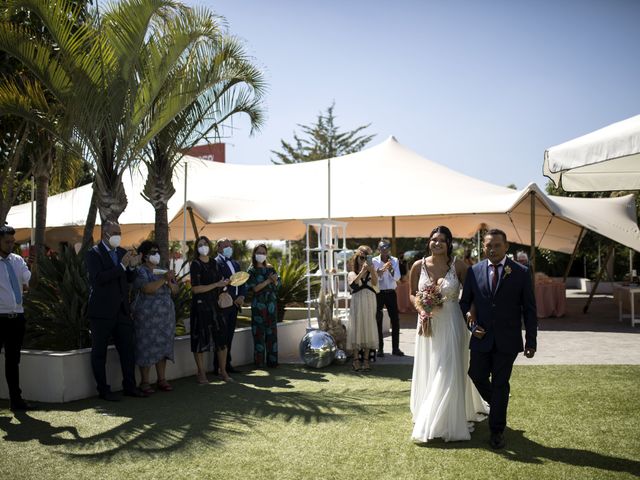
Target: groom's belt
(388, 290)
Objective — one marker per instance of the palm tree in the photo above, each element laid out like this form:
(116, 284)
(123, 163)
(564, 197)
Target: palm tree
(20, 94)
(223, 84)
(108, 73)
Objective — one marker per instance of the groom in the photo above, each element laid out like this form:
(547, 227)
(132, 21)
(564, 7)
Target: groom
(502, 295)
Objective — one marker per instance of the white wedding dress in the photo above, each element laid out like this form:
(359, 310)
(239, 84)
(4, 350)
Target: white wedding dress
(444, 401)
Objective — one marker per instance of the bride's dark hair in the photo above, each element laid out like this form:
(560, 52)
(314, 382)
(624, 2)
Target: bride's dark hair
(447, 236)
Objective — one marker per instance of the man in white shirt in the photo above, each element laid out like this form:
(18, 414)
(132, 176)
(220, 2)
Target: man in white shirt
(388, 271)
(13, 275)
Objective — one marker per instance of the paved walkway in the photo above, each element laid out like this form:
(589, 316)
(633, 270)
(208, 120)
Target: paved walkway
(595, 338)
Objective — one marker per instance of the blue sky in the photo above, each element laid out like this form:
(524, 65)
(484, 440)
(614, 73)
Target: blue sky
(482, 87)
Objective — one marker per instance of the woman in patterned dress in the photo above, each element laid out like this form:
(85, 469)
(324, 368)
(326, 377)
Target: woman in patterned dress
(207, 325)
(154, 317)
(264, 283)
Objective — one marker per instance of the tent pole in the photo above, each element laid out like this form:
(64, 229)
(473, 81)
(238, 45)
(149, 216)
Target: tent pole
(573, 255)
(329, 188)
(193, 222)
(393, 237)
(532, 254)
(599, 277)
(33, 231)
(184, 214)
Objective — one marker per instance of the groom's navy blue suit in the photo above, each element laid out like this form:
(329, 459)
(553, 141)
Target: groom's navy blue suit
(500, 314)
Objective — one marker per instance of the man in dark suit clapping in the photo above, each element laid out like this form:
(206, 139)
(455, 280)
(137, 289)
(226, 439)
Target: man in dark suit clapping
(110, 270)
(501, 293)
(227, 266)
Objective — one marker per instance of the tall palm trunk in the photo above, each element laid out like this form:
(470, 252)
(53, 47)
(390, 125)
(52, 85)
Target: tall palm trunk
(158, 190)
(42, 176)
(90, 223)
(162, 232)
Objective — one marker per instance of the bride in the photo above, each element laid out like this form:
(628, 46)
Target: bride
(444, 401)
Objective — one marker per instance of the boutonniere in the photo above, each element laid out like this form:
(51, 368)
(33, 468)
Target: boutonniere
(507, 271)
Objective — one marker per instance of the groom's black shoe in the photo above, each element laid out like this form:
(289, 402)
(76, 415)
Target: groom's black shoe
(497, 440)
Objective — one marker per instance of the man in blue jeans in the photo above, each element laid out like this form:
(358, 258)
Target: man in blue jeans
(13, 275)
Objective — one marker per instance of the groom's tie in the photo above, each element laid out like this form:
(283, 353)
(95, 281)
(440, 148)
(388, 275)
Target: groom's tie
(494, 280)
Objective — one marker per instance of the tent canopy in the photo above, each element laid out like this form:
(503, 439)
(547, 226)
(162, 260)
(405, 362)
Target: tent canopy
(605, 160)
(271, 201)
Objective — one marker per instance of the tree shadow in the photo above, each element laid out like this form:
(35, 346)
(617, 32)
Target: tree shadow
(524, 450)
(192, 413)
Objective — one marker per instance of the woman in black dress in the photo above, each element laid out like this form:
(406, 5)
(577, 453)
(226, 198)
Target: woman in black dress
(207, 325)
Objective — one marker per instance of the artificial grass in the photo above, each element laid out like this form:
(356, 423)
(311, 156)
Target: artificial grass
(296, 423)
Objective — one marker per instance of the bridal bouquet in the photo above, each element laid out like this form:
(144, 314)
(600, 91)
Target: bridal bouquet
(428, 300)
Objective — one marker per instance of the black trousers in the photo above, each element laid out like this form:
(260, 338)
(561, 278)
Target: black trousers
(388, 298)
(230, 317)
(495, 391)
(122, 331)
(11, 337)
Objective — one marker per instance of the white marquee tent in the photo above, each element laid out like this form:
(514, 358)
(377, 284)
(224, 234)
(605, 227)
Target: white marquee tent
(370, 190)
(604, 160)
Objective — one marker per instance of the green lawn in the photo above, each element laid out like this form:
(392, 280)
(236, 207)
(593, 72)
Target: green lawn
(293, 423)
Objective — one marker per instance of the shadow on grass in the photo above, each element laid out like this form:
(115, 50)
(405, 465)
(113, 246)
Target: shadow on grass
(191, 414)
(524, 450)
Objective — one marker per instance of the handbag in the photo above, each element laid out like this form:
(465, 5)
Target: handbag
(225, 300)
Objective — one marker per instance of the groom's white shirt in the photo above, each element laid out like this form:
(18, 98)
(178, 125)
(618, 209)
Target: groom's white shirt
(497, 270)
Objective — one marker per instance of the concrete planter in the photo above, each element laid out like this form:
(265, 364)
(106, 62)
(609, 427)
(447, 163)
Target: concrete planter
(47, 376)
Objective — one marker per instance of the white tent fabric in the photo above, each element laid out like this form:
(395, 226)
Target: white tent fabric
(271, 201)
(605, 160)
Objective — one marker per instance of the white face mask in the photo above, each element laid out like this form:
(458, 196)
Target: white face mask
(203, 250)
(154, 259)
(227, 252)
(260, 258)
(114, 241)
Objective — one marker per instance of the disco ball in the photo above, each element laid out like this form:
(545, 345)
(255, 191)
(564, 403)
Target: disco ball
(317, 349)
(341, 357)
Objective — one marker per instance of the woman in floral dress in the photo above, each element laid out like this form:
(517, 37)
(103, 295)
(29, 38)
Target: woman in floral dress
(264, 283)
(154, 317)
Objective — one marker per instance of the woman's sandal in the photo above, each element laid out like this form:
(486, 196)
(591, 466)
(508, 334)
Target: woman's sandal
(146, 389)
(355, 365)
(365, 366)
(203, 380)
(164, 386)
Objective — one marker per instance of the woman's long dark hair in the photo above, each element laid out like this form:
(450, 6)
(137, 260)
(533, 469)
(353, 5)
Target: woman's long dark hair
(196, 254)
(447, 236)
(253, 254)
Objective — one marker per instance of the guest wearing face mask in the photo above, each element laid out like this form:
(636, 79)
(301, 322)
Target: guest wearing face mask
(264, 282)
(207, 326)
(227, 266)
(111, 269)
(154, 317)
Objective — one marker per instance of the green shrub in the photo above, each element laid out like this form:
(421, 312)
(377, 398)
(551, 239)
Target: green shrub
(56, 307)
(293, 289)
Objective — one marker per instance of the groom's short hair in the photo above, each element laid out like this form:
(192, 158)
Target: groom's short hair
(497, 231)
